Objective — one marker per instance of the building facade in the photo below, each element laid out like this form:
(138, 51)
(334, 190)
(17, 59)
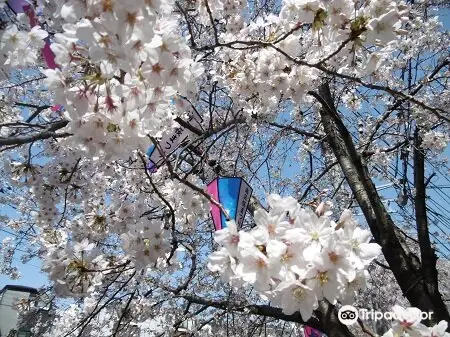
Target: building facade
(10, 297)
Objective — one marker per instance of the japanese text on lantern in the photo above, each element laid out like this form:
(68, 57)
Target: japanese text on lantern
(243, 205)
(172, 140)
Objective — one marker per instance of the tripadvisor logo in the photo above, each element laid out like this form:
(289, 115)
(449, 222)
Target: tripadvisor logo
(348, 315)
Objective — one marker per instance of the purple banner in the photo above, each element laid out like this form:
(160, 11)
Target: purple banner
(311, 332)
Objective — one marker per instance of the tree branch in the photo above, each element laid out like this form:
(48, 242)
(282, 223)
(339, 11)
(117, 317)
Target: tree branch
(47, 133)
(326, 318)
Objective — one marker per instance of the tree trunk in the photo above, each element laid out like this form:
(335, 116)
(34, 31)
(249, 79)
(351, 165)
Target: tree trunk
(406, 267)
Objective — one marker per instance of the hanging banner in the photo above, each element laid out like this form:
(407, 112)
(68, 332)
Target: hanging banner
(23, 6)
(233, 194)
(172, 140)
(18, 5)
(311, 332)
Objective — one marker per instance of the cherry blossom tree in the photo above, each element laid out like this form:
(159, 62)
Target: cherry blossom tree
(315, 103)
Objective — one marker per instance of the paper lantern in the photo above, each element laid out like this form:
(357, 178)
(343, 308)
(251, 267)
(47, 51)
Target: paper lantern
(311, 332)
(151, 166)
(172, 140)
(233, 194)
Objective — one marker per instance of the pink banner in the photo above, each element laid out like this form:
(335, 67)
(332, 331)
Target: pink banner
(22, 6)
(213, 189)
(311, 332)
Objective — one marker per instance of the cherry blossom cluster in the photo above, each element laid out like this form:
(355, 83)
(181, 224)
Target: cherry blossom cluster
(74, 268)
(88, 225)
(20, 48)
(228, 13)
(188, 205)
(295, 256)
(407, 323)
(269, 75)
(6, 257)
(121, 62)
(288, 57)
(434, 140)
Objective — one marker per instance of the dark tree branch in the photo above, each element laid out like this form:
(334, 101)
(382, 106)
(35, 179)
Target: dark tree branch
(298, 131)
(325, 319)
(38, 110)
(427, 253)
(47, 133)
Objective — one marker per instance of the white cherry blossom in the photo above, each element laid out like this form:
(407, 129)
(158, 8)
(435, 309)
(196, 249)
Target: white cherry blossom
(275, 263)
